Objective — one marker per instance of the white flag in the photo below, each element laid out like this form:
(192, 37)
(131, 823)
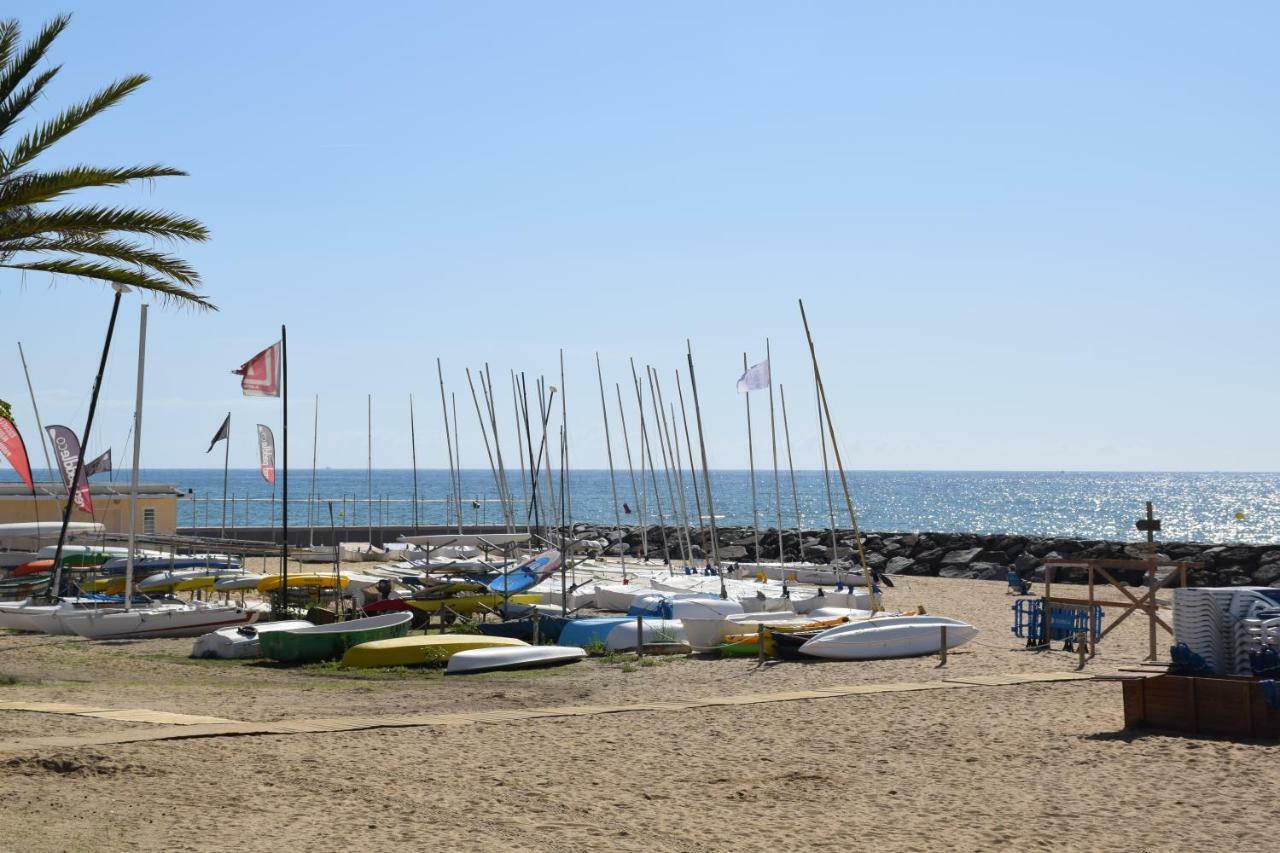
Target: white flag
(755, 379)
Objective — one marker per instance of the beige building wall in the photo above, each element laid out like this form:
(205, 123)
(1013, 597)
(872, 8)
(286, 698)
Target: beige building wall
(156, 513)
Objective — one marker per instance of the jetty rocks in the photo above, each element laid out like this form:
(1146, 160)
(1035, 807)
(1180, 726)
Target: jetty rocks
(948, 555)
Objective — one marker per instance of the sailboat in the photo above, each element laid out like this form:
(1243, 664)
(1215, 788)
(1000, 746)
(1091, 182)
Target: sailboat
(151, 621)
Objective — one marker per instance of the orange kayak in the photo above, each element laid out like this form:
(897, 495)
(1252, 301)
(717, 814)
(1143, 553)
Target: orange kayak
(32, 568)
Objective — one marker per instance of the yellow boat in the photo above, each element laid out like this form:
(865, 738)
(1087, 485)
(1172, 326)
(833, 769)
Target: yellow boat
(107, 585)
(421, 649)
(465, 604)
(302, 579)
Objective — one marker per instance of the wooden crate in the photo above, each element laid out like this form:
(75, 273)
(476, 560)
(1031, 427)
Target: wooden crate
(1213, 705)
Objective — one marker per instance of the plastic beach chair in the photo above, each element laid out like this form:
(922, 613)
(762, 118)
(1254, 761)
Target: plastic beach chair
(1017, 586)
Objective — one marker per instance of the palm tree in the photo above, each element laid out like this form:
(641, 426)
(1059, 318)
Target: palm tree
(40, 233)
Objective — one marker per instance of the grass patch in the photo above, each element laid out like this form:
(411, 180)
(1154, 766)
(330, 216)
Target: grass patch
(335, 670)
(7, 680)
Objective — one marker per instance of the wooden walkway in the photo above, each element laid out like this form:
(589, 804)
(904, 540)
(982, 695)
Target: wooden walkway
(181, 726)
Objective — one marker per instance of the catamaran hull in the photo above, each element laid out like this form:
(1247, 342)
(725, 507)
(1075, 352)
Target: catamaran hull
(146, 624)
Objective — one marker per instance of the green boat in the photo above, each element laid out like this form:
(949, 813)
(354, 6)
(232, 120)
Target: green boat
(26, 585)
(330, 642)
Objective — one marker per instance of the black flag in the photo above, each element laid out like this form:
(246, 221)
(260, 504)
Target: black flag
(101, 465)
(224, 431)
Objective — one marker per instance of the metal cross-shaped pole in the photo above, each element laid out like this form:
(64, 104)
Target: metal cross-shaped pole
(1149, 525)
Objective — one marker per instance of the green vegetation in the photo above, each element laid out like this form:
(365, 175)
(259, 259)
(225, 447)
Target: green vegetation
(38, 233)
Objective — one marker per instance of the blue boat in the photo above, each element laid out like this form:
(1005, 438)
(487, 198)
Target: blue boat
(527, 574)
(583, 632)
(549, 628)
(117, 565)
(657, 606)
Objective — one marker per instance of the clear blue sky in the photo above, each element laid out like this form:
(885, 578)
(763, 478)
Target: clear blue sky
(1029, 236)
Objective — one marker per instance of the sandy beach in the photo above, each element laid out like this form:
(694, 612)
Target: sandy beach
(1045, 766)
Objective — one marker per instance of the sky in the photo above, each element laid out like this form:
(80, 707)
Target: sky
(1028, 236)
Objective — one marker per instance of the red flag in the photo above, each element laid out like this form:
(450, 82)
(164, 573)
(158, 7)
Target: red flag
(267, 454)
(67, 448)
(13, 449)
(261, 374)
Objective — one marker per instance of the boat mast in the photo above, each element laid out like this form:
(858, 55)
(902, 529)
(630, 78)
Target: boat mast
(508, 507)
(791, 468)
(137, 455)
(448, 439)
(777, 488)
(311, 499)
(524, 489)
(413, 452)
(668, 457)
(636, 494)
(693, 474)
(564, 423)
(751, 461)
(369, 469)
(844, 480)
(484, 433)
(646, 450)
(608, 446)
(457, 455)
(706, 476)
(48, 460)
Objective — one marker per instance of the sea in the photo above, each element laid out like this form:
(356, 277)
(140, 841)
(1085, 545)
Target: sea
(1196, 507)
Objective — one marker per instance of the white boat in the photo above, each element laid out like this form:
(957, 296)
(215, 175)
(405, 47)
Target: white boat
(11, 617)
(48, 618)
(39, 532)
(47, 552)
(656, 632)
(690, 607)
(190, 621)
(551, 592)
(241, 641)
(512, 657)
(889, 637)
(162, 581)
(618, 596)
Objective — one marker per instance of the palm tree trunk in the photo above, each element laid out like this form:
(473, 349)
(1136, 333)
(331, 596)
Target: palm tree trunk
(84, 443)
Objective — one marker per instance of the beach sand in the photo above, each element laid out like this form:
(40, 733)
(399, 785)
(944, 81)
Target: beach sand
(1032, 766)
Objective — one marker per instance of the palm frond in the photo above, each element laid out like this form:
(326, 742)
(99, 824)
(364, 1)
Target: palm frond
(21, 64)
(38, 187)
(41, 138)
(10, 32)
(95, 242)
(98, 221)
(12, 108)
(121, 250)
(111, 273)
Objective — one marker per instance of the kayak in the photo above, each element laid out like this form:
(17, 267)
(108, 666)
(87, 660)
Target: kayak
(512, 657)
(420, 649)
(329, 642)
(271, 583)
